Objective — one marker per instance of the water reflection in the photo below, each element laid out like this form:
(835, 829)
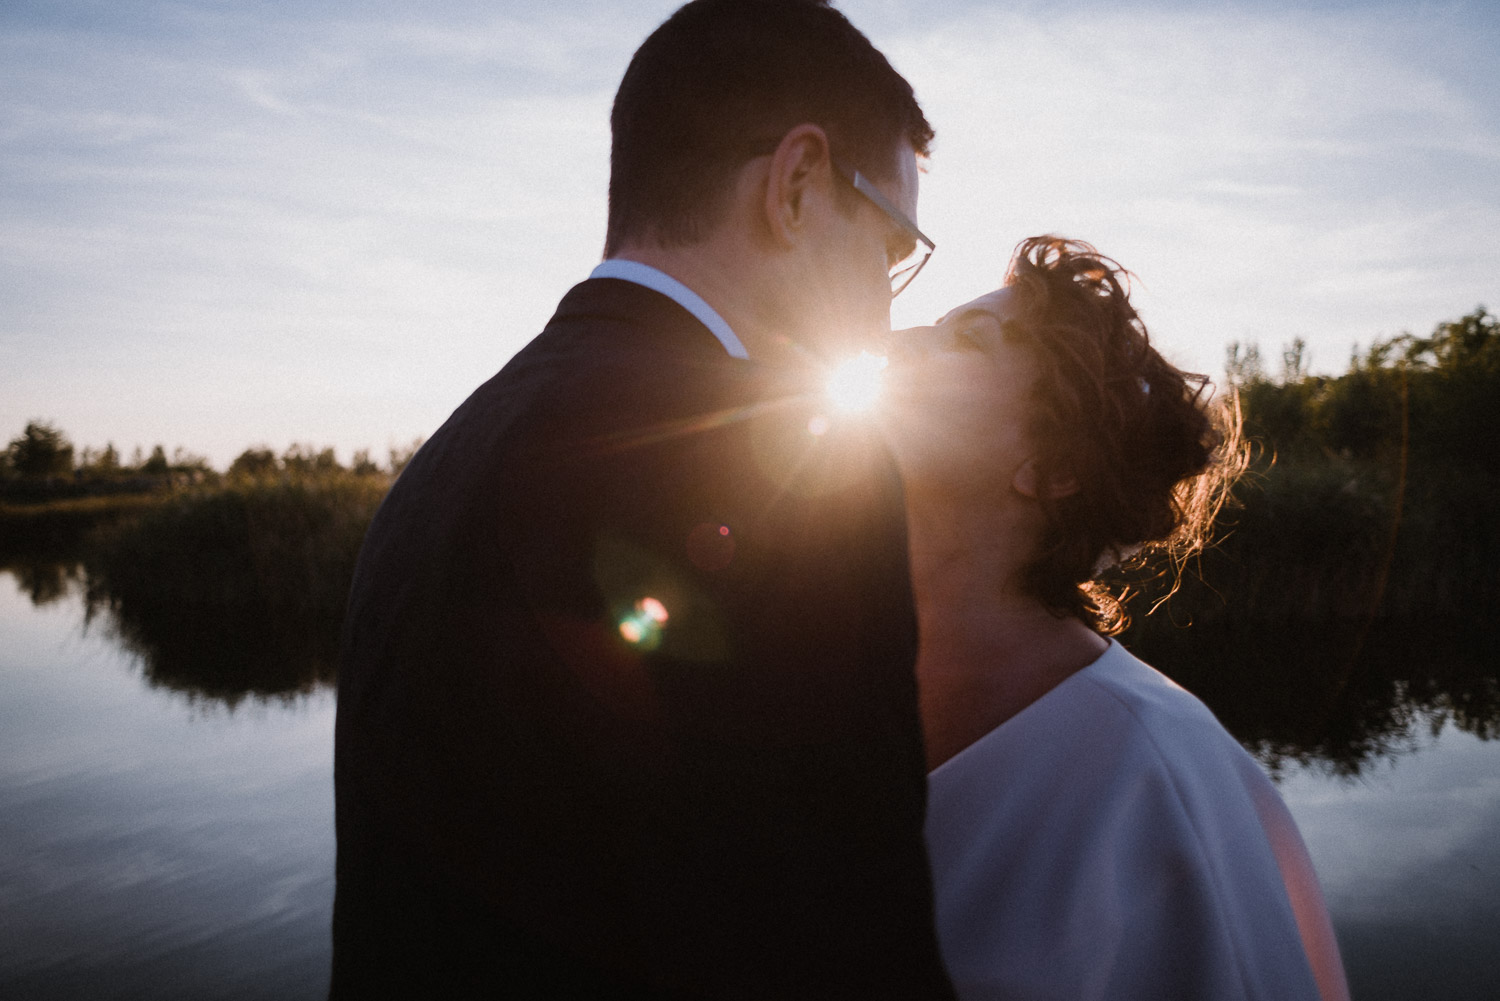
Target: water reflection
(1341, 696)
(222, 652)
(148, 851)
(1409, 861)
(45, 581)
(1336, 696)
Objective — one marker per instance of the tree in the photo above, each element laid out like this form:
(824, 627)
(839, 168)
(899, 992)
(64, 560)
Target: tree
(109, 459)
(254, 463)
(41, 450)
(363, 465)
(157, 465)
(305, 460)
(1295, 361)
(1242, 365)
(402, 454)
(184, 461)
(1470, 342)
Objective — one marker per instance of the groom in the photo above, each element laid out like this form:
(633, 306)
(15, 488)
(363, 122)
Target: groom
(626, 705)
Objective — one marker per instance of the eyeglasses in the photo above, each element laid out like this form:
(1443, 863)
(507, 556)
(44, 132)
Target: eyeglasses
(905, 269)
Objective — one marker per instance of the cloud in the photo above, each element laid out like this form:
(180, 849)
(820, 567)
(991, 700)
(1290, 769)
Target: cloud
(1401, 846)
(243, 228)
(311, 222)
(1268, 173)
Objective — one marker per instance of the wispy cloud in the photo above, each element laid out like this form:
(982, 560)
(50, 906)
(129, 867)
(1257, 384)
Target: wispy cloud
(1268, 174)
(309, 221)
(281, 227)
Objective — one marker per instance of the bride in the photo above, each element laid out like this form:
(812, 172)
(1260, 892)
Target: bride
(1094, 831)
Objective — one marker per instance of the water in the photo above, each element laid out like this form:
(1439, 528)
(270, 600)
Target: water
(1409, 857)
(153, 843)
(164, 837)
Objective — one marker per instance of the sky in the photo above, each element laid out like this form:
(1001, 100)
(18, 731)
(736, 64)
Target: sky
(226, 224)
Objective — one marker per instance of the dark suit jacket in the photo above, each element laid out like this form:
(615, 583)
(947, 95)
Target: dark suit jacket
(626, 702)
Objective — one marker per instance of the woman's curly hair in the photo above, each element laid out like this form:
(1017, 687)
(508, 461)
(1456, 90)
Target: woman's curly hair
(1152, 454)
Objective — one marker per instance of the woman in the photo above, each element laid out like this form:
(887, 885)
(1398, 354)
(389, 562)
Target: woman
(1094, 832)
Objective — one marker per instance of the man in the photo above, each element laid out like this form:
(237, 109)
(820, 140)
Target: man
(626, 705)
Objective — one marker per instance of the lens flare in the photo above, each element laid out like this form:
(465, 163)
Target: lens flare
(710, 546)
(854, 386)
(642, 627)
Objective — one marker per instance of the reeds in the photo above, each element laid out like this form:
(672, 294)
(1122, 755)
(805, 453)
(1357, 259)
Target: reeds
(239, 588)
(59, 529)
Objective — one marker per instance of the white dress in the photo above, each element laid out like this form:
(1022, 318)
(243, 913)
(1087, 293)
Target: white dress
(1113, 841)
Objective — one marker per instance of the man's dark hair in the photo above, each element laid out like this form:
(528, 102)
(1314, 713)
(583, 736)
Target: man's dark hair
(722, 81)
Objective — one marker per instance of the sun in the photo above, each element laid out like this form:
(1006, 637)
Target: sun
(854, 386)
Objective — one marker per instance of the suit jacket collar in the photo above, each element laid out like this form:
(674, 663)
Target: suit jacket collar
(631, 311)
(633, 316)
(660, 281)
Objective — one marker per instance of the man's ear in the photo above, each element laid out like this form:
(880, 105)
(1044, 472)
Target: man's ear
(801, 165)
(1028, 483)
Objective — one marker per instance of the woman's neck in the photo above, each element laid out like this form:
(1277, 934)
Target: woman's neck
(988, 650)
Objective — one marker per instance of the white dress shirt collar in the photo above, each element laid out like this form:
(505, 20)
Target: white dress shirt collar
(660, 281)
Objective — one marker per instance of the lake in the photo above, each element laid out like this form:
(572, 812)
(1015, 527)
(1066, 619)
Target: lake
(163, 837)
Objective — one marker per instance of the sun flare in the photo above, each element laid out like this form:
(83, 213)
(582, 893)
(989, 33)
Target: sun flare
(854, 386)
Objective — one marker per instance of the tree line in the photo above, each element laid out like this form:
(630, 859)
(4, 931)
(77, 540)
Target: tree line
(42, 454)
(1372, 494)
(1427, 405)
